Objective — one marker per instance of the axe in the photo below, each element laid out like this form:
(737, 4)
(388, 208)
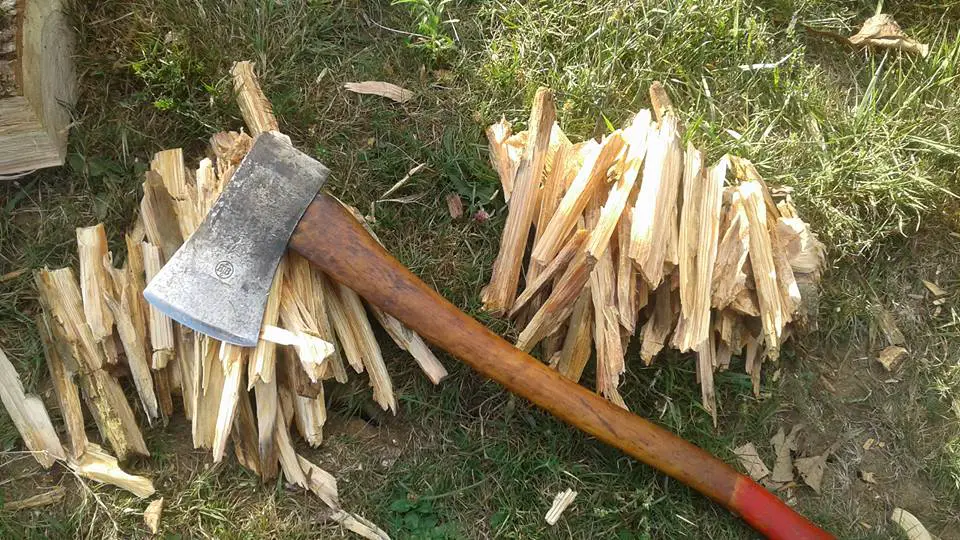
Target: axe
(217, 283)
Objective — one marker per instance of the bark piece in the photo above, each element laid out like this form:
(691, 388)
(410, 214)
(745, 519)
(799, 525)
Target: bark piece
(454, 205)
(380, 88)
(934, 289)
(254, 106)
(811, 468)
(660, 100)
(501, 292)
(654, 216)
(29, 416)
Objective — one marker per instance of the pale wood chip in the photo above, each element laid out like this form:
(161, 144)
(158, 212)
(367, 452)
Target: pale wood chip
(42, 499)
(151, 516)
(454, 205)
(560, 503)
(934, 289)
(380, 88)
(868, 477)
(96, 464)
(29, 416)
(910, 524)
(891, 357)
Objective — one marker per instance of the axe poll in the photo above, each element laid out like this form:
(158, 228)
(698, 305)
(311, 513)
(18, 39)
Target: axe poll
(217, 283)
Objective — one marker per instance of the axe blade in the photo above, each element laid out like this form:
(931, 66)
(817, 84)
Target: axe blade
(218, 281)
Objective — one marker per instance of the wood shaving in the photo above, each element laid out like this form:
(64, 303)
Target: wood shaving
(868, 477)
(454, 205)
(380, 88)
(43, 499)
(891, 357)
(560, 503)
(910, 524)
(151, 516)
(934, 289)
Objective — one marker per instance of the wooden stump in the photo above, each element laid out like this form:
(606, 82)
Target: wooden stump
(37, 85)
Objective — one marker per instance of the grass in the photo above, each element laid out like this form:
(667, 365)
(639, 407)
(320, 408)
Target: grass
(868, 142)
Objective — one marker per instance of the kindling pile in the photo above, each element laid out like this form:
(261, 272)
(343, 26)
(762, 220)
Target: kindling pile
(635, 235)
(98, 326)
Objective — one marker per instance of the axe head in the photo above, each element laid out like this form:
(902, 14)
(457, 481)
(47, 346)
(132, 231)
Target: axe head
(218, 281)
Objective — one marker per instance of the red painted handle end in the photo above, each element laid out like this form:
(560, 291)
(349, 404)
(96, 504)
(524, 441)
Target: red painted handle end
(766, 513)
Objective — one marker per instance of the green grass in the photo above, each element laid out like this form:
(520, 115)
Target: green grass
(868, 142)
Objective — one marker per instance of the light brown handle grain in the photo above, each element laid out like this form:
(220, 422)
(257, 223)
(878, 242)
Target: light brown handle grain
(332, 240)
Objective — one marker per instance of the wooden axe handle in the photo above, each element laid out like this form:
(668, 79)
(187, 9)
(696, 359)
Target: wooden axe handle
(333, 240)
